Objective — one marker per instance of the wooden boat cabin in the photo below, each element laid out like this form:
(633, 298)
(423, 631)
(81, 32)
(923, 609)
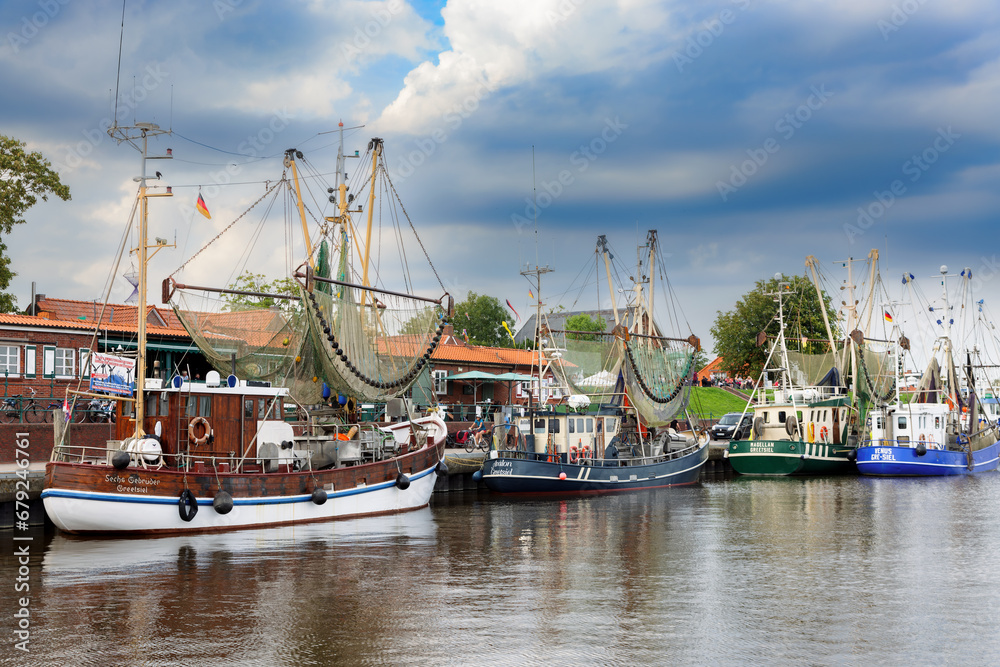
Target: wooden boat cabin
(222, 420)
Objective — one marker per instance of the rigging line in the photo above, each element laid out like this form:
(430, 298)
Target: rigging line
(121, 38)
(222, 185)
(230, 225)
(178, 134)
(403, 208)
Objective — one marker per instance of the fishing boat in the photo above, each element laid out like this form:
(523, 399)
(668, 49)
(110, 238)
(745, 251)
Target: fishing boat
(639, 379)
(940, 429)
(805, 415)
(191, 457)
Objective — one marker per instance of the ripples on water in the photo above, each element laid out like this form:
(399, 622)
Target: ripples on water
(818, 571)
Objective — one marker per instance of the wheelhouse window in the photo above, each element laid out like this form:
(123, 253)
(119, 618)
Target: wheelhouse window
(901, 423)
(553, 426)
(781, 416)
(571, 423)
(10, 359)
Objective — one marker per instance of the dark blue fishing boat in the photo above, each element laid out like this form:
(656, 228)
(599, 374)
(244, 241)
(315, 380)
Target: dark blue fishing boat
(637, 381)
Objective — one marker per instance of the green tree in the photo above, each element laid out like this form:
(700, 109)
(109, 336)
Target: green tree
(258, 282)
(736, 331)
(24, 177)
(483, 317)
(422, 322)
(584, 322)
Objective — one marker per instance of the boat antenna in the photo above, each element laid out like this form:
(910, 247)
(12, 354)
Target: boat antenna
(534, 201)
(121, 38)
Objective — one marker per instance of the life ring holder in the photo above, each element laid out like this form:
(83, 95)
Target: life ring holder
(194, 424)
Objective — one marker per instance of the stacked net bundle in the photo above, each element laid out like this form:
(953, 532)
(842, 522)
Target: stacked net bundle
(876, 373)
(811, 370)
(371, 345)
(253, 342)
(656, 372)
(590, 365)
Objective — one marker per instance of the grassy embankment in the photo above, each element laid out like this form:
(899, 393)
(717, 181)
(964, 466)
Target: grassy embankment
(712, 402)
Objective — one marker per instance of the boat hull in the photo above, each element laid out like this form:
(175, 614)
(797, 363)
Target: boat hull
(895, 461)
(527, 473)
(98, 499)
(788, 457)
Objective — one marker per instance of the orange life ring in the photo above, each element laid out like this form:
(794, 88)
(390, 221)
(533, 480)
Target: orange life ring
(823, 432)
(195, 423)
(585, 452)
(573, 454)
(922, 438)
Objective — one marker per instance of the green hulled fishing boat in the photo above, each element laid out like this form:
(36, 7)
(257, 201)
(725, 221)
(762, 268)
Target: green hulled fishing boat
(806, 421)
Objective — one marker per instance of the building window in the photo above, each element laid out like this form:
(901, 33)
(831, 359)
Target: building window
(65, 362)
(440, 382)
(10, 358)
(84, 362)
(30, 355)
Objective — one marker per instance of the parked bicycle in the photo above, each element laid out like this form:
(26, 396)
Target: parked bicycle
(15, 408)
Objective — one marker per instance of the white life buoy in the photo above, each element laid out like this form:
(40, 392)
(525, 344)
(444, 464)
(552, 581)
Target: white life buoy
(194, 424)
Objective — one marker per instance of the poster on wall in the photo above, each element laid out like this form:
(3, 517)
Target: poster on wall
(115, 375)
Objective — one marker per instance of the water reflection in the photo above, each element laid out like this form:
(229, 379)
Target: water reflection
(825, 571)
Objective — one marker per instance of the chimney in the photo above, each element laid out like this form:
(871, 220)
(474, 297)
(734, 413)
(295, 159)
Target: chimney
(449, 330)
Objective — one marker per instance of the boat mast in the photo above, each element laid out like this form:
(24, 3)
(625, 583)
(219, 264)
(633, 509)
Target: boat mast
(130, 134)
(811, 265)
(376, 152)
(651, 235)
(602, 246)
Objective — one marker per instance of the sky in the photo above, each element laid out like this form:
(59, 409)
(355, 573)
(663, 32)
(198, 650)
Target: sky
(749, 134)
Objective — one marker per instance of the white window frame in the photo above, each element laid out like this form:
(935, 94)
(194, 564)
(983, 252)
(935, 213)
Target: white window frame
(17, 360)
(49, 361)
(30, 361)
(62, 357)
(440, 379)
(84, 362)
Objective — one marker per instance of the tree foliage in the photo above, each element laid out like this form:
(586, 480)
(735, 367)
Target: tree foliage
(24, 177)
(422, 322)
(258, 282)
(735, 331)
(584, 322)
(483, 317)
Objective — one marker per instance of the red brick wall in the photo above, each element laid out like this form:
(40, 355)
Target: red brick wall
(40, 438)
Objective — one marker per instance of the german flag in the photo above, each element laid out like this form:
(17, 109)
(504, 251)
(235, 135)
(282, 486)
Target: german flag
(887, 315)
(200, 205)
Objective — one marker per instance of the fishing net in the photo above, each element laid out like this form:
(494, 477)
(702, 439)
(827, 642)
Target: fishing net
(656, 373)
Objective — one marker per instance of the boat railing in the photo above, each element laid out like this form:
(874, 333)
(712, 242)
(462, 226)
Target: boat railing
(621, 459)
(903, 441)
(194, 463)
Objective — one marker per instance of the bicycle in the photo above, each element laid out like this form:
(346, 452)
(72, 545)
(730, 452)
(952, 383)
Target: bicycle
(34, 413)
(479, 439)
(10, 410)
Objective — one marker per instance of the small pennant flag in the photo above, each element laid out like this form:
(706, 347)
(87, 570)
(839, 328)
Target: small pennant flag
(887, 315)
(509, 333)
(465, 335)
(66, 408)
(512, 310)
(531, 295)
(200, 205)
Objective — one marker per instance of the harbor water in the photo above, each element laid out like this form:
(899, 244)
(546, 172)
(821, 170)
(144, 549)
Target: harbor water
(824, 571)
